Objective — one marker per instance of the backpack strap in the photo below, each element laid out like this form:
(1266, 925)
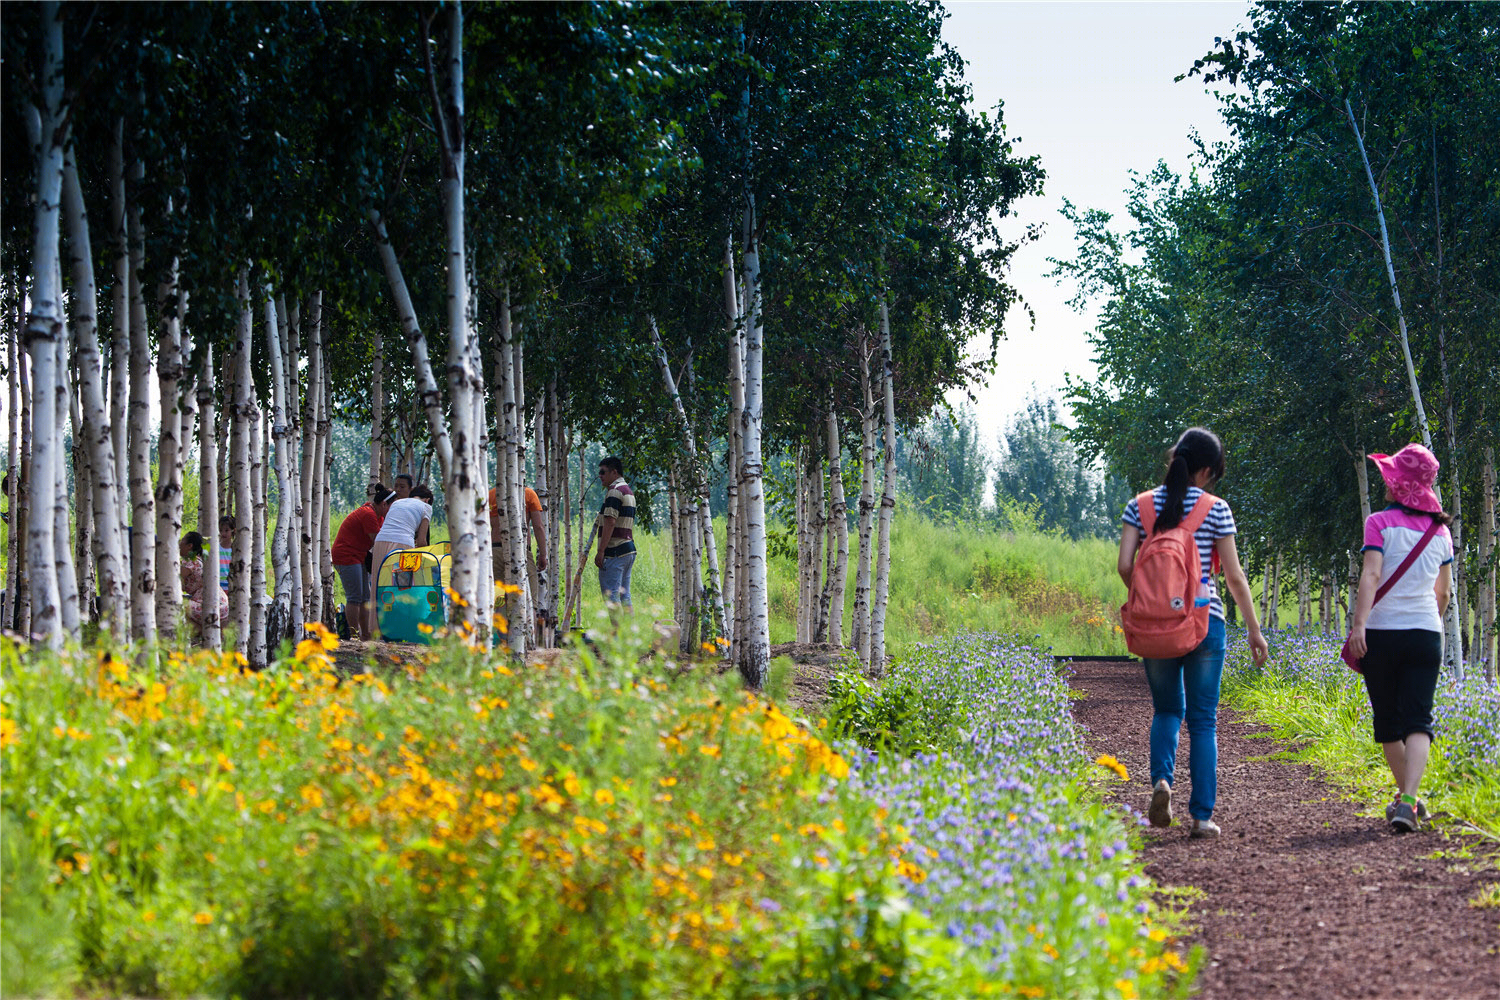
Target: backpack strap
(1146, 508)
(1194, 521)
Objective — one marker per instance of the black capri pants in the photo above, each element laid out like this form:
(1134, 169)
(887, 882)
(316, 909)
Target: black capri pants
(1400, 668)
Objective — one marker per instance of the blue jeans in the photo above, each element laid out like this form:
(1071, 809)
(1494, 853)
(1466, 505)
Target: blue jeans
(614, 579)
(1188, 686)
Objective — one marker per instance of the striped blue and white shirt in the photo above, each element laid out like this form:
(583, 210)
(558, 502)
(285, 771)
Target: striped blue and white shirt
(1219, 523)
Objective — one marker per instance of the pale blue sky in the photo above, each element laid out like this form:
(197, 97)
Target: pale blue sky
(1088, 88)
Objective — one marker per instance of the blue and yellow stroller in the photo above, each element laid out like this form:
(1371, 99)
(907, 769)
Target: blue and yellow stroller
(409, 598)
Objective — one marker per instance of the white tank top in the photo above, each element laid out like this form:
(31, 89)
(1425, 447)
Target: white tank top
(402, 521)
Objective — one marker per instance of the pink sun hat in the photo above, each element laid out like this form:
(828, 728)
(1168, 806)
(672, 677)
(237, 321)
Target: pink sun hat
(1410, 474)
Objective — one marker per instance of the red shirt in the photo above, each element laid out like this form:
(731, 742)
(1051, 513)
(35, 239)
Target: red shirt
(356, 536)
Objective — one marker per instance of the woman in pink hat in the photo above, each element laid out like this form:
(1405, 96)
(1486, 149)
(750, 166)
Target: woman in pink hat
(1397, 633)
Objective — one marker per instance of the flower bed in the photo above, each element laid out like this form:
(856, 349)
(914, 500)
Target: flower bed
(472, 828)
(1012, 851)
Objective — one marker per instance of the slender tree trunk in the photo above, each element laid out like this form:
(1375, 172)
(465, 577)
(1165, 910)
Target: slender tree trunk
(325, 475)
(312, 493)
(22, 527)
(83, 543)
(289, 493)
(1304, 597)
(208, 499)
(15, 545)
(887, 498)
(377, 412)
(513, 486)
(733, 523)
(1326, 609)
(839, 514)
(97, 440)
(819, 595)
(260, 605)
(119, 353)
(704, 527)
(169, 453)
(67, 576)
(44, 331)
(239, 474)
(142, 499)
(511, 542)
(756, 647)
(542, 442)
(281, 564)
(861, 624)
(1486, 652)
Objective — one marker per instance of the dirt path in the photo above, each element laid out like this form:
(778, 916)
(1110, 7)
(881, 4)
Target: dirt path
(1301, 897)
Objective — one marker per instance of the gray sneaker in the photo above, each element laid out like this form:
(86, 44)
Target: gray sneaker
(1160, 812)
(1404, 818)
(1203, 829)
(1390, 810)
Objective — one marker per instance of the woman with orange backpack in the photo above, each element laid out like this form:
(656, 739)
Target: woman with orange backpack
(1174, 539)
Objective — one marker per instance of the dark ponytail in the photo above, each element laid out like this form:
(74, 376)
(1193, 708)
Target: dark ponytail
(1441, 517)
(1198, 448)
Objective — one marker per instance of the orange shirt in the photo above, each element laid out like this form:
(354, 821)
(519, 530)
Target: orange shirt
(533, 503)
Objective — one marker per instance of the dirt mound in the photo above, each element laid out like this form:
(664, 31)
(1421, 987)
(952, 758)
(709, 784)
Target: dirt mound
(1301, 896)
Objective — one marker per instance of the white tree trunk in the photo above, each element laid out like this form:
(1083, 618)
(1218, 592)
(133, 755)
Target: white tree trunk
(44, 333)
(1485, 649)
(863, 571)
(119, 353)
(142, 499)
(83, 540)
(97, 439)
(260, 604)
(733, 522)
(312, 494)
(281, 563)
(22, 527)
(208, 500)
(542, 442)
(325, 478)
(290, 495)
(819, 596)
(15, 537)
(839, 518)
(67, 577)
(241, 408)
(756, 647)
(887, 498)
(377, 411)
(169, 454)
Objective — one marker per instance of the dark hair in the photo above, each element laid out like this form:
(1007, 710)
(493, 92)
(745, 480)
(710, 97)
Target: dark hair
(406, 476)
(612, 462)
(1441, 517)
(1198, 448)
(226, 522)
(375, 491)
(194, 542)
(421, 492)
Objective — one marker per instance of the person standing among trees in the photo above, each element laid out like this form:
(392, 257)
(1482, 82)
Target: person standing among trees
(351, 552)
(616, 524)
(404, 485)
(1396, 630)
(1188, 686)
(406, 526)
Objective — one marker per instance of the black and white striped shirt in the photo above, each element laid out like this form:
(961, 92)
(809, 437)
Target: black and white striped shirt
(1220, 522)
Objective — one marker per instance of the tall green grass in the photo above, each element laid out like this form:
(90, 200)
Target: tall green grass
(945, 579)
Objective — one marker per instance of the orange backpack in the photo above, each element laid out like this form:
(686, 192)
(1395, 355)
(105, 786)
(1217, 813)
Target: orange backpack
(1159, 616)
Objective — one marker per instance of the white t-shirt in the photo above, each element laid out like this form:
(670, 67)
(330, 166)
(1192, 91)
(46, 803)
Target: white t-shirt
(1411, 603)
(402, 521)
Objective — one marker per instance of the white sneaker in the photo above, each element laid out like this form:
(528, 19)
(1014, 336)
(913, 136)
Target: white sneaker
(1203, 829)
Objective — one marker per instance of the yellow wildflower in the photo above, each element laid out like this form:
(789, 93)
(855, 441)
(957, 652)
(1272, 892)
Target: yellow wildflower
(203, 918)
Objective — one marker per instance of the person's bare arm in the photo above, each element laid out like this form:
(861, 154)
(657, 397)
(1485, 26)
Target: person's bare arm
(1369, 582)
(1130, 540)
(1444, 587)
(422, 533)
(539, 530)
(606, 529)
(1239, 588)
